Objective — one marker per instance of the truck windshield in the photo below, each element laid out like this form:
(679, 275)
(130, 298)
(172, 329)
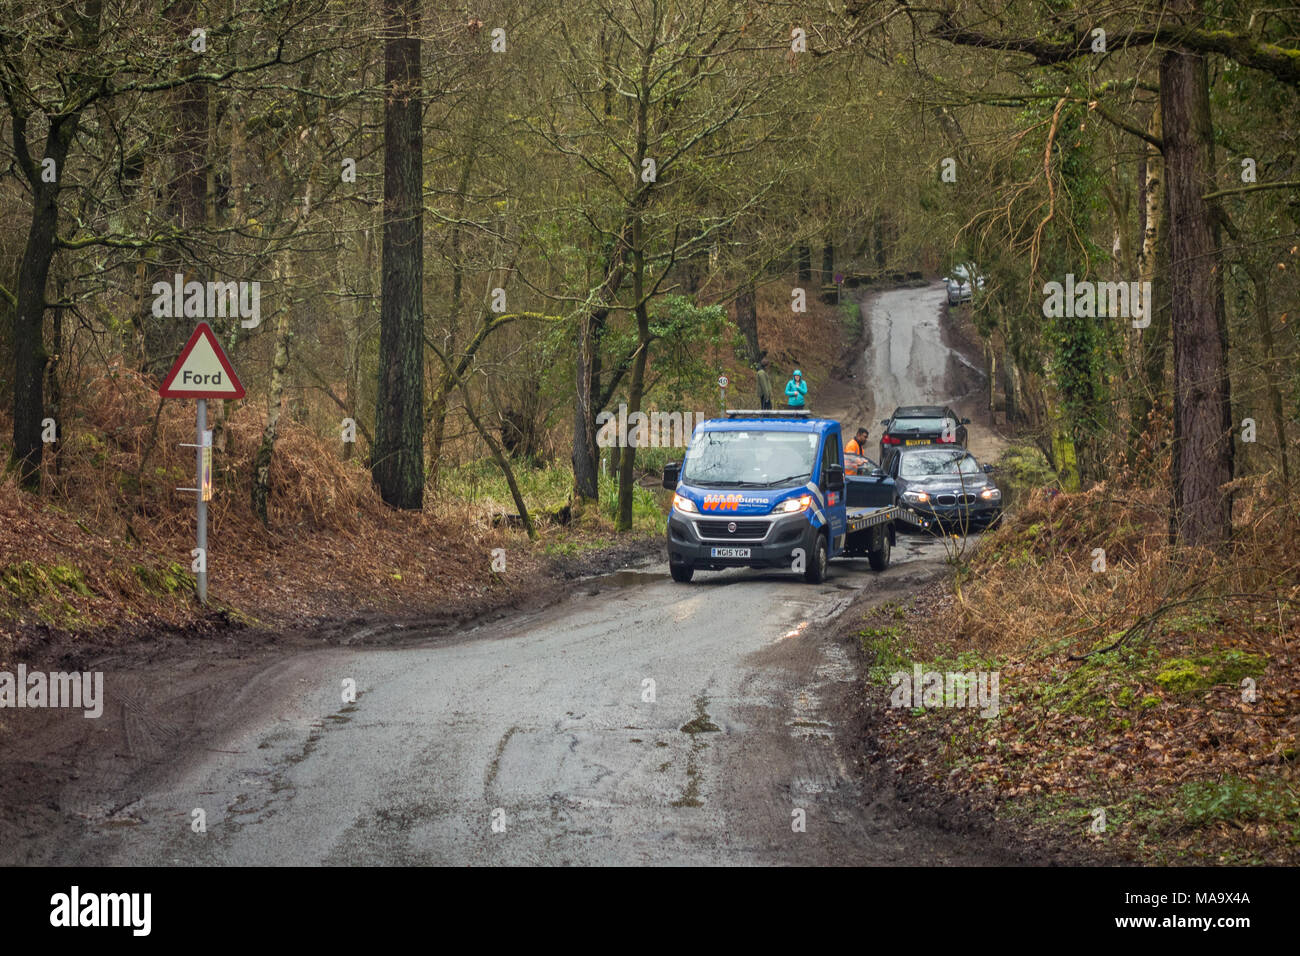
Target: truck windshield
(749, 458)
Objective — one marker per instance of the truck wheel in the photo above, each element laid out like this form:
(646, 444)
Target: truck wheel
(879, 557)
(682, 573)
(815, 573)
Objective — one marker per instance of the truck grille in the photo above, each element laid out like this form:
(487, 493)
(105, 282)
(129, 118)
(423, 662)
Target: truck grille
(746, 530)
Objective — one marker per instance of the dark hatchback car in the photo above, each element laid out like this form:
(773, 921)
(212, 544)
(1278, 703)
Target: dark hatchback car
(948, 485)
(921, 425)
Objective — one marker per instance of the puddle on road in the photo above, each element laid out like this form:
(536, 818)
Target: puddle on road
(627, 578)
(795, 631)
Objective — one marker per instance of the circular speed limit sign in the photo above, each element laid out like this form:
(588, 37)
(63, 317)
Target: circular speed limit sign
(723, 381)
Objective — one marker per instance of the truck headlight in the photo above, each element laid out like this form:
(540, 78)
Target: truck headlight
(792, 505)
(684, 504)
(919, 497)
(991, 494)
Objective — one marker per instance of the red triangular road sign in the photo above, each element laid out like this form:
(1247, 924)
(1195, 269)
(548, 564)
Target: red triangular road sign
(202, 370)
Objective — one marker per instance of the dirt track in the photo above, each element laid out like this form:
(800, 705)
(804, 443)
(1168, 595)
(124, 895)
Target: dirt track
(916, 351)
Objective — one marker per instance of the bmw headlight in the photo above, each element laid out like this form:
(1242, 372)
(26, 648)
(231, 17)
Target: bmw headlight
(916, 497)
(991, 494)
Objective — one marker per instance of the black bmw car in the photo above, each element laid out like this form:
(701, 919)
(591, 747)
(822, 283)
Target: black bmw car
(946, 484)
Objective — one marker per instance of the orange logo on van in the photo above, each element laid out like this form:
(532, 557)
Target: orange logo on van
(722, 502)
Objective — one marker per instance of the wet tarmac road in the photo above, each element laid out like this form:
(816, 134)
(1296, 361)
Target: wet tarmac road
(638, 721)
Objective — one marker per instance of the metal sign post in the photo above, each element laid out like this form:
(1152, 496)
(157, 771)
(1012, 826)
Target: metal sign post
(201, 372)
(723, 382)
(201, 541)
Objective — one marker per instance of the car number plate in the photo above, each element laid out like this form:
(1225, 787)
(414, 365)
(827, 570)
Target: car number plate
(729, 552)
(917, 441)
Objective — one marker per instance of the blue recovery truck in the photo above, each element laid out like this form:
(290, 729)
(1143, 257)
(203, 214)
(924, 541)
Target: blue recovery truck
(767, 489)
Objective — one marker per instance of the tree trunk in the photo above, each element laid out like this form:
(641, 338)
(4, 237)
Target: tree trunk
(747, 320)
(1273, 374)
(29, 315)
(186, 165)
(261, 493)
(238, 217)
(397, 462)
(437, 424)
(1148, 390)
(1061, 449)
(991, 378)
(636, 388)
(805, 263)
(56, 389)
(1202, 465)
(591, 332)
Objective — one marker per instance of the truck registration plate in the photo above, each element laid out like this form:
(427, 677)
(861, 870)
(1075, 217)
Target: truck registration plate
(729, 552)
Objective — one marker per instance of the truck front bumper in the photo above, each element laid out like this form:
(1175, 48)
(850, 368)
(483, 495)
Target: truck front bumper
(770, 539)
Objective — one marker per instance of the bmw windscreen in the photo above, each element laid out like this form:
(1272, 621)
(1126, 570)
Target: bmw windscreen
(925, 464)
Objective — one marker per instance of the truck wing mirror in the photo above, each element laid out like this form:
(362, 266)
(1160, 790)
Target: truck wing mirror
(835, 477)
(671, 472)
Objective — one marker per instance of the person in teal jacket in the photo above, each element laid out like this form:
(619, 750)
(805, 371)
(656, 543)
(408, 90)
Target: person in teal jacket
(795, 390)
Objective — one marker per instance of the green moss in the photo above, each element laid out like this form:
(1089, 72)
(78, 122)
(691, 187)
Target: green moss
(45, 592)
(1187, 675)
(168, 579)
(1230, 666)
(28, 581)
(68, 578)
(1181, 676)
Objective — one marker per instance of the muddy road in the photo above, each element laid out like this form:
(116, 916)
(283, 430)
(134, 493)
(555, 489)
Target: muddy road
(916, 351)
(632, 721)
